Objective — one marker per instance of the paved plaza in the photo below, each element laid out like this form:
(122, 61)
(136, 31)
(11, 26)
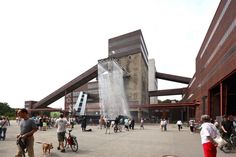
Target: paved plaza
(150, 142)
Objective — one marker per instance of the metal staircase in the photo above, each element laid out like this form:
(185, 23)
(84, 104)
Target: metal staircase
(80, 105)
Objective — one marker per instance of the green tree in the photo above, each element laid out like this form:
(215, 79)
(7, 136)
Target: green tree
(167, 101)
(6, 110)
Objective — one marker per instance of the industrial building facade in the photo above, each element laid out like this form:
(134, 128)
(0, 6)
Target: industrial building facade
(131, 54)
(212, 89)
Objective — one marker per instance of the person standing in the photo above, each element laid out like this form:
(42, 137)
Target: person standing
(208, 133)
(132, 124)
(61, 125)
(27, 130)
(84, 123)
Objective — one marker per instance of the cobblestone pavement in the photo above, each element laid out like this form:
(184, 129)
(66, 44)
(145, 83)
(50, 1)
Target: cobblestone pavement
(150, 142)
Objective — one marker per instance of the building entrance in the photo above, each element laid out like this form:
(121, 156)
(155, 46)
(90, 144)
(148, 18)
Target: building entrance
(223, 97)
(231, 94)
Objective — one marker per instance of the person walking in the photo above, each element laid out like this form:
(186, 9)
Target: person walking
(227, 127)
(191, 126)
(165, 125)
(61, 125)
(141, 123)
(101, 122)
(3, 125)
(108, 126)
(126, 124)
(208, 133)
(179, 124)
(162, 124)
(27, 130)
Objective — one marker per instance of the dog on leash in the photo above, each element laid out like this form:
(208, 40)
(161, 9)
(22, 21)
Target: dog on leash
(46, 147)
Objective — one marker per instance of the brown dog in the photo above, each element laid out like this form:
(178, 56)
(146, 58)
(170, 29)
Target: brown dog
(46, 147)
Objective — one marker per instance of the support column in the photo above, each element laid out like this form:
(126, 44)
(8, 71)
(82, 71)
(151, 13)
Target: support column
(139, 114)
(204, 104)
(187, 111)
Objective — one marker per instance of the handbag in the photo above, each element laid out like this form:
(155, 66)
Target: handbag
(22, 144)
(220, 141)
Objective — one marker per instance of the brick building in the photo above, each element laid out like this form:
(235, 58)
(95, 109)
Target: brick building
(214, 82)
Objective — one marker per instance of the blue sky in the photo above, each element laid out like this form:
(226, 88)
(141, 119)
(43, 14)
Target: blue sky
(45, 44)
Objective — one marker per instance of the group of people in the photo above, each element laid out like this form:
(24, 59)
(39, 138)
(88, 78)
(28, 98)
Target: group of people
(192, 125)
(128, 123)
(209, 131)
(163, 124)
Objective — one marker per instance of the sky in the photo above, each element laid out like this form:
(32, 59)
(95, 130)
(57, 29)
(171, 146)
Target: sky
(45, 44)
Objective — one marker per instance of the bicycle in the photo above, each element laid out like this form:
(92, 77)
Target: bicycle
(230, 145)
(117, 127)
(71, 141)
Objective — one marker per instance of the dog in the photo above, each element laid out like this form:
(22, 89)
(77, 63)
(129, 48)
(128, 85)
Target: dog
(46, 147)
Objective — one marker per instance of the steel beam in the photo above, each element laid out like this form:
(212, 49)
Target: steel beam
(67, 88)
(165, 92)
(164, 105)
(174, 78)
(152, 106)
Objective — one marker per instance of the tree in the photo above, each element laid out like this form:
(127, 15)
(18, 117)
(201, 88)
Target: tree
(167, 101)
(6, 110)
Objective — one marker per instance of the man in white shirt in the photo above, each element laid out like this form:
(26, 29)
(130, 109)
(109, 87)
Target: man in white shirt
(61, 125)
(179, 124)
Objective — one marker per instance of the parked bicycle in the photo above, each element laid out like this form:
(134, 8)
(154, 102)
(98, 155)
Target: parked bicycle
(71, 141)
